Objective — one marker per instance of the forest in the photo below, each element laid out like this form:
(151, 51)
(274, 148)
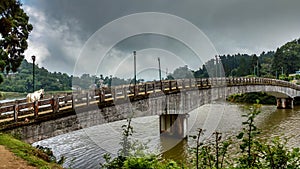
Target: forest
(272, 64)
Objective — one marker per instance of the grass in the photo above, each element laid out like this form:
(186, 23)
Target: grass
(25, 151)
(11, 95)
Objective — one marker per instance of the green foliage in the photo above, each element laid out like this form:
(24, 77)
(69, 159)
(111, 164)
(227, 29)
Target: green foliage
(33, 156)
(181, 73)
(249, 157)
(254, 153)
(277, 155)
(125, 143)
(285, 77)
(50, 155)
(14, 31)
(211, 155)
(263, 98)
(149, 162)
(132, 155)
(287, 58)
(230, 65)
(21, 81)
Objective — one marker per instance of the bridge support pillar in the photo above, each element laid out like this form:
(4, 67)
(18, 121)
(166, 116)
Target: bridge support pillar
(174, 125)
(285, 103)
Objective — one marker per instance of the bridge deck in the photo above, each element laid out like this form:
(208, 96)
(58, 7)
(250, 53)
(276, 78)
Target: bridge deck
(19, 109)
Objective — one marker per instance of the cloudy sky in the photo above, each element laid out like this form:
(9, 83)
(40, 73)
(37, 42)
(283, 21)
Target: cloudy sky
(98, 36)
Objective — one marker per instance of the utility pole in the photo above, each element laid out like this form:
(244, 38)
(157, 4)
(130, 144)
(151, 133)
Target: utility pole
(166, 72)
(159, 71)
(134, 66)
(33, 60)
(216, 65)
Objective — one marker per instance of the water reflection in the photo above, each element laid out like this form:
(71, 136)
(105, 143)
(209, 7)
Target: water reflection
(179, 152)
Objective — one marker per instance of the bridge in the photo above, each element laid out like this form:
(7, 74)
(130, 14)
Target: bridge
(57, 115)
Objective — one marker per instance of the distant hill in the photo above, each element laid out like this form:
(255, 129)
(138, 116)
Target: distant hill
(21, 81)
(286, 59)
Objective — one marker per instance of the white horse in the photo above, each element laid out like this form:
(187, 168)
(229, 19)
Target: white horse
(35, 96)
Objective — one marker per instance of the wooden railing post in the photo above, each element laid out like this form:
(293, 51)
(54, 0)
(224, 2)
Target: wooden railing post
(183, 84)
(145, 88)
(201, 84)
(153, 83)
(125, 92)
(36, 108)
(162, 86)
(101, 95)
(16, 111)
(73, 101)
(113, 93)
(135, 90)
(88, 98)
(170, 85)
(55, 104)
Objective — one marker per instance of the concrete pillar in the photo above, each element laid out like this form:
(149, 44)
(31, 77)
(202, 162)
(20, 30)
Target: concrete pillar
(285, 103)
(174, 125)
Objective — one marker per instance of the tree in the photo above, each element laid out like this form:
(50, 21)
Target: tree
(287, 58)
(182, 73)
(14, 30)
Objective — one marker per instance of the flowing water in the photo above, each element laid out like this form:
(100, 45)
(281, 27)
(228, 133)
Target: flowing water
(85, 148)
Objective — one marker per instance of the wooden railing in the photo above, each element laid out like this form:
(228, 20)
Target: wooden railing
(20, 108)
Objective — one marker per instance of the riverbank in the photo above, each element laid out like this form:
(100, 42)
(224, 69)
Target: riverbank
(17, 154)
(251, 98)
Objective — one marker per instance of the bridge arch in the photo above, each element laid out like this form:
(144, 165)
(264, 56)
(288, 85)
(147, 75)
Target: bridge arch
(276, 91)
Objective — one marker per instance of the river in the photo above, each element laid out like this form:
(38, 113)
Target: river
(85, 148)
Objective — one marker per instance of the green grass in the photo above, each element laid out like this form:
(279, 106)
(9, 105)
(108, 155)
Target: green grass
(25, 151)
(11, 95)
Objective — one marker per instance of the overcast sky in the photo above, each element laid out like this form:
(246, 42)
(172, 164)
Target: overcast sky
(70, 35)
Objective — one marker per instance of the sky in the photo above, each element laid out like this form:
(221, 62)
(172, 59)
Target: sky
(99, 36)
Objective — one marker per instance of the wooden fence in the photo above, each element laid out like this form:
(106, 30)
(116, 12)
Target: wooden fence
(20, 108)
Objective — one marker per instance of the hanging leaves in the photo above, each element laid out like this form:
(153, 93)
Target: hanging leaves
(14, 32)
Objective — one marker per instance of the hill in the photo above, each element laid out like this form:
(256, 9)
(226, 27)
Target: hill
(271, 64)
(287, 58)
(21, 81)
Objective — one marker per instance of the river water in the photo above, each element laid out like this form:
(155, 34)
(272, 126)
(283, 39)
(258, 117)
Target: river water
(85, 148)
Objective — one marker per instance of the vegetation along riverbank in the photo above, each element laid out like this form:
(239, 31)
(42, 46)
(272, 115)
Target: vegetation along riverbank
(243, 151)
(263, 98)
(24, 155)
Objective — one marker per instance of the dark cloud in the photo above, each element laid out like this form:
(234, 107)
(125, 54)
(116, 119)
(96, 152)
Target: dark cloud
(61, 27)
